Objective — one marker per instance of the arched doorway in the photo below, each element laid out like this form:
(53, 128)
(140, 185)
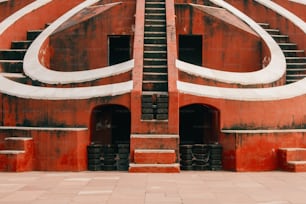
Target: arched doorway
(199, 124)
(110, 124)
(199, 129)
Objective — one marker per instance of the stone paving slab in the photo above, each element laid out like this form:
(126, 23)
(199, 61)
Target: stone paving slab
(193, 187)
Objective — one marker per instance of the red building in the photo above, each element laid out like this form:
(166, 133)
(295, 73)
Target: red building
(162, 77)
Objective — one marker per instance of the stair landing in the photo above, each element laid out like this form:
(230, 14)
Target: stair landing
(292, 159)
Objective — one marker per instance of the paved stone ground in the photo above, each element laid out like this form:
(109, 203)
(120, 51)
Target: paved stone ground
(192, 187)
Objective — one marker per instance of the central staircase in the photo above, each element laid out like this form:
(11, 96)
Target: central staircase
(155, 72)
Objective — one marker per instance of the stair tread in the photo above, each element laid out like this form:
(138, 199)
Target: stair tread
(13, 75)
(297, 162)
(18, 138)
(154, 151)
(154, 165)
(12, 151)
(293, 149)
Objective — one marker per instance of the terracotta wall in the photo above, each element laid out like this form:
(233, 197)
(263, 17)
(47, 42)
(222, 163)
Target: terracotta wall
(31, 22)
(225, 47)
(53, 113)
(296, 8)
(9, 7)
(257, 152)
(85, 45)
(259, 13)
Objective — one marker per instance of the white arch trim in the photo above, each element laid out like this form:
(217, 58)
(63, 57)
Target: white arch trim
(10, 20)
(12, 88)
(299, 1)
(36, 71)
(273, 72)
(247, 94)
(285, 13)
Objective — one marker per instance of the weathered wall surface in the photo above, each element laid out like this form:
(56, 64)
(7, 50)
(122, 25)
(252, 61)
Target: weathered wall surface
(85, 45)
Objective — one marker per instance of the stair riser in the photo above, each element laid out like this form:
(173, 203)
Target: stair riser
(155, 41)
(154, 158)
(155, 48)
(31, 35)
(293, 54)
(151, 28)
(273, 32)
(154, 169)
(11, 67)
(12, 54)
(155, 16)
(155, 22)
(155, 5)
(156, 70)
(296, 60)
(155, 77)
(21, 44)
(161, 86)
(19, 145)
(281, 39)
(156, 55)
(157, 11)
(288, 47)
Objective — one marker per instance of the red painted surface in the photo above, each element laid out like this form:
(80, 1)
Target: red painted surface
(154, 169)
(9, 7)
(154, 158)
(294, 7)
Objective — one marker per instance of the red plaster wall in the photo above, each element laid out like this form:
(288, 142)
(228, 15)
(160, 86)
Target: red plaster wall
(85, 45)
(259, 14)
(256, 152)
(225, 47)
(11, 6)
(60, 150)
(296, 8)
(32, 22)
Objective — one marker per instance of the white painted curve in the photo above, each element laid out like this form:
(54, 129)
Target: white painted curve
(13, 88)
(273, 72)
(36, 71)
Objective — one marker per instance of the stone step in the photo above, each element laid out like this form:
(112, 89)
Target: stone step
(11, 66)
(160, 29)
(293, 53)
(155, 34)
(272, 31)
(32, 34)
(151, 4)
(287, 46)
(264, 25)
(155, 47)
(155, 85)
(18, 143)
(149, 76)
(154, 156)
(154, 168)
(280, 38)
(12, 54)
(292, 159)
(296, 59)
(155, 16)
(295, 77)
(21, 44)
(300, 65)
(155, 21)
(155, 10)
(155, 39)
(155, 63)
(155, 54)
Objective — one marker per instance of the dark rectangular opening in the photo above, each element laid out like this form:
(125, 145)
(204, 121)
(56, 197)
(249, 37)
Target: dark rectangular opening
(119, 49)
(190, 49)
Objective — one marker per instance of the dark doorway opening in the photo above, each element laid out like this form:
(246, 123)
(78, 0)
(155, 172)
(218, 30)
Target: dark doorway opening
(190, 49)
(199, 124)
(110, 124)
(119, 49)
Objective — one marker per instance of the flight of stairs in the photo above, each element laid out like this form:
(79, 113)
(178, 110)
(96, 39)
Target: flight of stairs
(295, 58)
(155, 73)
(16, 154)
(154, 153)
(11, 60)
(292, 159)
